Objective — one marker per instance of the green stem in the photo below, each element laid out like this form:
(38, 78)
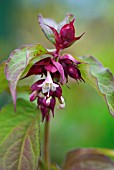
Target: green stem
(46, 145)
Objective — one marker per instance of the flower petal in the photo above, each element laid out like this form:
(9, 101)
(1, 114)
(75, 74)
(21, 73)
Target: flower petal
(35, 86)
(33, 95)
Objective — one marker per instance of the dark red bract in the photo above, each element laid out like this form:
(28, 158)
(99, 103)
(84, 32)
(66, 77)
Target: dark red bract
(70, 66)
(66, 36)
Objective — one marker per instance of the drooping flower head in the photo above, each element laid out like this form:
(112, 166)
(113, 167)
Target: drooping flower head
(54, 69)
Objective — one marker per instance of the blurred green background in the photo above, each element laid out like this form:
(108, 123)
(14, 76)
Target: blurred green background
(86, 121)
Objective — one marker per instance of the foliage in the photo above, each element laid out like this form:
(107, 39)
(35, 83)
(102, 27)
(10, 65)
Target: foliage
(18, 62)
(19, 138)
(100, 78)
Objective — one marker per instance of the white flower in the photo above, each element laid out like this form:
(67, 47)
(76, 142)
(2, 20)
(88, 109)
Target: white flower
(48, 84)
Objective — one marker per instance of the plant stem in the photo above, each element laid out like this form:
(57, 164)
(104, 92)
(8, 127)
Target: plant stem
(46, 145)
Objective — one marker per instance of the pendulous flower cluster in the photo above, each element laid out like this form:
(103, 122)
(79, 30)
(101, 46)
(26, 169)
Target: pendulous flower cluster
(54, 69)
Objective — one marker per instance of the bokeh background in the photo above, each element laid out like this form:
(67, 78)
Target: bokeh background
(86, 121)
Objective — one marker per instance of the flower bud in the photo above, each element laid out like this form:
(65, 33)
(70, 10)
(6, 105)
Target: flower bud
(58, 92)
(44, 111)
(62, 102)
(39, 101)
(74, 72)
(43, 102)
(33, 96)
(35, 86)
(67, 32)
(62, 106)
(52, 105)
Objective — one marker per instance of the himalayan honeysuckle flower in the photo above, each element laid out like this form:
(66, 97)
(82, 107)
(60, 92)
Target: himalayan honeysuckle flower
(55, 68)
(46, 92)
(70, 66)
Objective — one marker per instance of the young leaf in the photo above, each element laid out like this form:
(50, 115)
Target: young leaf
(47, 31)
(88, 159)
(3, 81)
(18, 61)
(100, 78)
(19, 139)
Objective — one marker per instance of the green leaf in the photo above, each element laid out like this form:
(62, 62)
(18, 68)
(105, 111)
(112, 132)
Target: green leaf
(19, 62)
(100, 78)
(3, 81)
(88, 159)
(19, 139)
(50, 22)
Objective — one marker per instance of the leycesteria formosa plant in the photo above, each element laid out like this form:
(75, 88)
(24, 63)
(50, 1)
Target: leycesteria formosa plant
(42, 73)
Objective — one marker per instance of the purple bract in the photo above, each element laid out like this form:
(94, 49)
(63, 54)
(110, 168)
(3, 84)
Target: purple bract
(66, 36)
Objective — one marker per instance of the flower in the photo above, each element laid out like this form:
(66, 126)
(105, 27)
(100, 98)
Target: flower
(48, 84)
(70, 66)
(46, 91)
(66, 36)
